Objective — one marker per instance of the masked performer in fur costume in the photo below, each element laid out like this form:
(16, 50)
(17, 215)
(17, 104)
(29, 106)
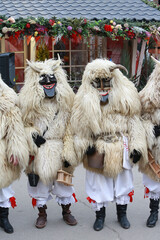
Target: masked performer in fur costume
(14, 153)
(105, 121)
(46, 100)
(150, 99)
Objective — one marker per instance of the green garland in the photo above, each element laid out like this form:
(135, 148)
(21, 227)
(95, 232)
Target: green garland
(76, 28)
(151, 4)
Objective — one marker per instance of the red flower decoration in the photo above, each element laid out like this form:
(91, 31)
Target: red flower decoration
(85, 21)
(76, 37)
(51, 21)
(131, 34)
(28, 25)
(108, 28)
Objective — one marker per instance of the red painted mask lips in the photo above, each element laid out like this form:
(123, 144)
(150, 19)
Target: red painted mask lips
(104, 94)
(50, 86)
(50, 90)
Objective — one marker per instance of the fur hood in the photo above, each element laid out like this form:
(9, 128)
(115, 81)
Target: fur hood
(32, 97)
(8, 98)
(150, 94)
(87, 100)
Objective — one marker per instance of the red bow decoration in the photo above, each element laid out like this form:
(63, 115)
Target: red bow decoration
(146, 192)
(90, 200)
(13, 202)
(31, 159)
(74, 195)
(34, 202)
(130, 195)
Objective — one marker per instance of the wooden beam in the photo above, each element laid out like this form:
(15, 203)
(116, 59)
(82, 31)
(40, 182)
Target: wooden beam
(33, 49)
(134, 53)
(25, 51)
(3, 45)
(143, 47)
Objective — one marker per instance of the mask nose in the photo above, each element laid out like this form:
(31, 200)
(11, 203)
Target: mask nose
(47, 80)
(102, 85)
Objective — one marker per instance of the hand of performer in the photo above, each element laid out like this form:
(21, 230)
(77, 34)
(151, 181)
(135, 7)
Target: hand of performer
(136, 155)
(91, 150)
(14, 160)
(38, 140)
(66, 164)
(156, 130)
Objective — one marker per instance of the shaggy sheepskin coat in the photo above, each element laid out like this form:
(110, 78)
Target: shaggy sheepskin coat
(12, 137)
(103, 126)
(46, 116)
(150, 100)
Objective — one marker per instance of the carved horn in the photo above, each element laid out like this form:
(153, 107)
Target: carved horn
(155, 60)
(33, 66)
(120, 67)
(58, 62)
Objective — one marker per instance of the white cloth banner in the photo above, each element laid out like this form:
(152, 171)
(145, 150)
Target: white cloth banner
(126, 162)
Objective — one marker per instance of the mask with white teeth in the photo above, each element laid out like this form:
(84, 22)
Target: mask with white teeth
(49, 83)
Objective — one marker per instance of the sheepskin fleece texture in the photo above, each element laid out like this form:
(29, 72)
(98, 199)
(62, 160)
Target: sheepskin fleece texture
(103, 126)
(46, 116)
(150, 100)
(12, 136)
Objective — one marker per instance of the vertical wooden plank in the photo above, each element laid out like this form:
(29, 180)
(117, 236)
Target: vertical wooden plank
(25, 51)
(53, 43)
(141, 59)
(96, 47)
(33, 49)
(104, 47)
(89, 48)
(134, 53)
(3, 45)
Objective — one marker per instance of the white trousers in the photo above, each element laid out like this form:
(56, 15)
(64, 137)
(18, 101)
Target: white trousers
(102, 189)
(43, 193)
(5, 195)
(153, 186)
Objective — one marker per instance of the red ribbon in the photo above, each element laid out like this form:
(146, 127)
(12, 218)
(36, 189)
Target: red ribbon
(130, 195)
(34, 202)
(90, 200)
(74, 195)
(31, 159)
(13, 202)
(146, 192)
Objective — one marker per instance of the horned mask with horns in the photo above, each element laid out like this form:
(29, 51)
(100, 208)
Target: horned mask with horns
(99, 74)
(47, 74)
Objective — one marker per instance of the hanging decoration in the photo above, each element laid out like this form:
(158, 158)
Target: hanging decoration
(76, 28)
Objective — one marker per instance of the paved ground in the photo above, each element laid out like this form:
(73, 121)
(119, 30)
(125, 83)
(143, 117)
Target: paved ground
(24, 216)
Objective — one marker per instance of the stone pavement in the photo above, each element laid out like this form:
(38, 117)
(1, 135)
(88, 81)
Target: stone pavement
(24, 216)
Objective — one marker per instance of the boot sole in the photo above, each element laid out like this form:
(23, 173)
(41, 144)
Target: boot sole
(71, 224)
(39, 227)
(5, 230)
(42, 226)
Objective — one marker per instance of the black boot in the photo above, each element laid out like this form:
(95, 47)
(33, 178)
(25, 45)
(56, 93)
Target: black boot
(154, 206)
(100, 217)
(121, 215)
(4, 222)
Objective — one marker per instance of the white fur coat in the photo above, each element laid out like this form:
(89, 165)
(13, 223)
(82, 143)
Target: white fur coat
(12, 137)
(150, 100)
(105, 125)
(46, 116)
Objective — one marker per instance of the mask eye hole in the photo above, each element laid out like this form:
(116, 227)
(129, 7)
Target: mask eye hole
(96, 83)
(52, 78)
(43, 79)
